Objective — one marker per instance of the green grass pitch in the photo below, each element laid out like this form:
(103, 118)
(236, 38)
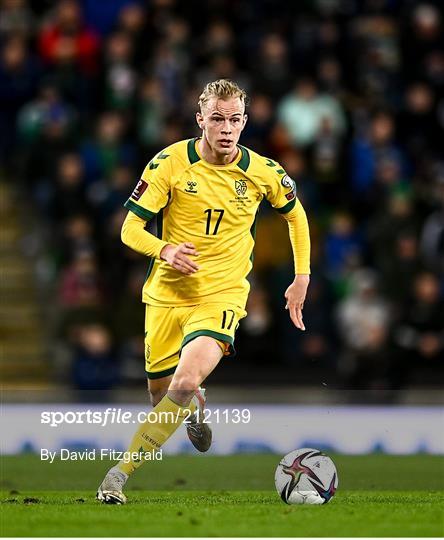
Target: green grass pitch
(195, 496)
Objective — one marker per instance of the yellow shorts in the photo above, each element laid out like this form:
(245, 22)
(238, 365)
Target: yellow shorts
(169, 329)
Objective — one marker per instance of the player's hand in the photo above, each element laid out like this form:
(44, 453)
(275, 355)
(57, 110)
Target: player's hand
(295, 296)
(176, 256)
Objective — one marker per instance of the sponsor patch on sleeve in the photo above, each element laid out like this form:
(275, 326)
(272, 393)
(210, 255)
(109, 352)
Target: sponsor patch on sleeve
(139, 190)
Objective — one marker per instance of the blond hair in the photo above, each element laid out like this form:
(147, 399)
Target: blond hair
(223, 89)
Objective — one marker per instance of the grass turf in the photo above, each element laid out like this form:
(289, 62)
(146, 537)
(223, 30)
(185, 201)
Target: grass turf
(222, 496)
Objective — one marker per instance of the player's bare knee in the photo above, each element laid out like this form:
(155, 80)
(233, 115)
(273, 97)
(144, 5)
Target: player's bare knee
(185, 382)
(183, 386)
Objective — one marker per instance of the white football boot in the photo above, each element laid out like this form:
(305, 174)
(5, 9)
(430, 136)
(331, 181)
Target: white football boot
(110, 490)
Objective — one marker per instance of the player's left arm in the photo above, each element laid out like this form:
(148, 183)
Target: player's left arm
(300, 243)
(281, 193)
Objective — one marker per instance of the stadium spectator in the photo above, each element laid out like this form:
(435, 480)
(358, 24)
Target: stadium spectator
(422, 36)
(16, 17)
(151, 115)
(19, 75)
(218, 39)
(318, 348)
(401, 268)
(419, 334)
(119, 78)
(376, 57)
(273, 76)
(95, 369)
(371, 150)
(80, 284)
(107, 149)
(396, 214)
(68, 196)
(65, 39)
(305, 112)
(113, 192)
(343, 248)
(73, 235)
(132, 21)
(258, 338)
(43, 113)
(363, 322)
(329, 75)
(418, 126)
(432, 240)
(260, 122)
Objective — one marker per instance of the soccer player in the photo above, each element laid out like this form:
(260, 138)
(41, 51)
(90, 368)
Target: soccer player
(204, 194)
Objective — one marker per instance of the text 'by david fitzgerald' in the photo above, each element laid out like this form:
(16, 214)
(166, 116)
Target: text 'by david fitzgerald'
(65, 454)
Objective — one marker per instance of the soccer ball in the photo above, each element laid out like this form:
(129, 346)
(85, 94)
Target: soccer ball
(306, 476)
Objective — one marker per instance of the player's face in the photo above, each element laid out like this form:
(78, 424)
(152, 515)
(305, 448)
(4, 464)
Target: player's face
(222, 122)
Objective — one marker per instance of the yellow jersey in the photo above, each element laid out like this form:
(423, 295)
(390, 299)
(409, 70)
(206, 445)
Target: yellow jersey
(214, 207)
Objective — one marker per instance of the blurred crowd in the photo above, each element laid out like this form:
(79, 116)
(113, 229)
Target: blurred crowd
(348, 95)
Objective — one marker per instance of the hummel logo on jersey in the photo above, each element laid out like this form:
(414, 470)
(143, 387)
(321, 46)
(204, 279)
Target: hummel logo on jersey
(241, 187)
(192, 187)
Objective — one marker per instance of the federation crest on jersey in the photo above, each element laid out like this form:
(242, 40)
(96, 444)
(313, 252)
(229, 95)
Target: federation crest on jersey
(241, 187)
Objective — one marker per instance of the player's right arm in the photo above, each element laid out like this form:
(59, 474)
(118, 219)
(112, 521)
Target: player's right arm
(150, 195)
(137, 238)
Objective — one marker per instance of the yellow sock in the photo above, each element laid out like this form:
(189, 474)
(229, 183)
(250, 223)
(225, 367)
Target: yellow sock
(151, 434)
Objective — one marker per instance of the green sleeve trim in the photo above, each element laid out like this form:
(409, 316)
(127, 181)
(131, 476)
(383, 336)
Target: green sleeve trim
(138, 210)
(244, 161)
(193, 156)
(289, 206)
(160, 374)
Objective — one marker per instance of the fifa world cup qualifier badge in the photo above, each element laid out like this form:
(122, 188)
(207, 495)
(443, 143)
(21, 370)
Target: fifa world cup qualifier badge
(289, 183)
(139, 190)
